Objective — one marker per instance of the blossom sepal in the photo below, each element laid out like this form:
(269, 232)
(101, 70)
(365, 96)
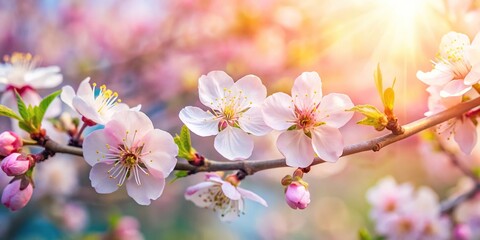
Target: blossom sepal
(373, 116)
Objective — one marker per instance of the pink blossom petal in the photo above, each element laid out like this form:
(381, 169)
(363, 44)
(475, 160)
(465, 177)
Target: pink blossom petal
(200, 122)
(296, 147)
(307, 90)
(454, 88)
(250, 89)
(233, 143)
(465, 135)
(212, 87)
(131, 125)
(333, 110)
(31, 97)
(252, 122)
(96, 146)
(86, 109)
(327, 143)
(67, 95)
(200, 193)
(101, 180)
(161, 151)
(474, 75)
(230, 191)
(278, 111)
(150, 188)
(252, 196)
(46, 77)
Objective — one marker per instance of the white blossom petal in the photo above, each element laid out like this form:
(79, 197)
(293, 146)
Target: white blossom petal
(233, 143)
(465, 135)
(252, 196)
(474, 75)
(454, 88)
(86, 110)
(307, 90)
(200, 193)
(230, 191)
(250, 90)
(296, 147)
(212, 87)
(67, 96)
(150, 188)
(101, 180)
(327, 143)
(278, 111)
(332, 110)
(200, 122)
(252, 122)
(160, 151)
(46, 77)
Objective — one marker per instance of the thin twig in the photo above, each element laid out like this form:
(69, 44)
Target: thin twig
(253, 166)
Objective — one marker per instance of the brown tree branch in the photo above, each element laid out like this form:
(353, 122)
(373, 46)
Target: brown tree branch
(253, 166)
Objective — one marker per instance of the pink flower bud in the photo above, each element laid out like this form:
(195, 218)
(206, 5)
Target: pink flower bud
(14, 198)
(15, 164)
(10, 142)
(297, 196)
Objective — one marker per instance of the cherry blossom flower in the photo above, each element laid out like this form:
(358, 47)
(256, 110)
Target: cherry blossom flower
(223, 197)
(310, 121)
(96, 105)
(462, 127)
(19, 72)
(235, 113)
(129, 150)
(128, 228)
(457, 67)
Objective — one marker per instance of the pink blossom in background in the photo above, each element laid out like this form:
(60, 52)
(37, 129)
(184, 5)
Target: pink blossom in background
(310, 121)
(129, 150)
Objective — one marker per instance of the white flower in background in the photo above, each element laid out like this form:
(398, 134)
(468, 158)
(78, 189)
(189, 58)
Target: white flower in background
(223, 197)
(310, 121)
(57, 177)
(235, 113)
(457, 67)
(96, 105)
(461, 127)
(129, 150)
(19, 72)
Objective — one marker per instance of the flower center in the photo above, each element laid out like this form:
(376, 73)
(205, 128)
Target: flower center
(129, 159)
(305, 118)
(105, 98)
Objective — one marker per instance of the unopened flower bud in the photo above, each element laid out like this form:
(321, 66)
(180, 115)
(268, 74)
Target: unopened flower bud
(10, 142)
(128, 228)
(15, 164)
(297, 196)
(14, 198)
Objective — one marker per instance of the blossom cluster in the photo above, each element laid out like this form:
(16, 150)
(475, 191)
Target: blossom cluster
(399, 212)
(308, 121)
(454, 79)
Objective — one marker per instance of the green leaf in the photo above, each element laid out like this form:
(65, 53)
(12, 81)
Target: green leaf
(7, 112)
(363, 234)
(389, 97)
(25, 126)
(377, 75)
(184, 144)
(22, 108)
(178, 175)
(45, 103)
